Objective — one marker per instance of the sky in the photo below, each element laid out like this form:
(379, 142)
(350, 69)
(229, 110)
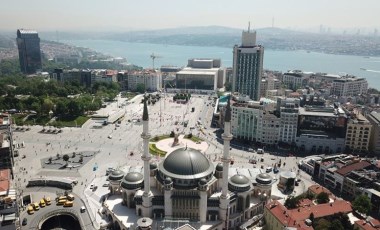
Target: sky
(111, 15)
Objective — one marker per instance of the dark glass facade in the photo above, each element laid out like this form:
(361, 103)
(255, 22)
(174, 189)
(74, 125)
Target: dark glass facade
(29, 52)
(193, 81)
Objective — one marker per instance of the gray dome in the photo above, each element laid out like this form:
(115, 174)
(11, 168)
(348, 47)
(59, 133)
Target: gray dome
(239, 183)
(132, 180)
(186, 163)
(116, 175)
(133, 177)
(203, 181)
(153, 165)
(264, 178)
(219, 167)
(239, 180)
(168, 180)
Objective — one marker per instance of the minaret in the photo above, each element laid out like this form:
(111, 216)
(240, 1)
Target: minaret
(227, 137)
(147, 196)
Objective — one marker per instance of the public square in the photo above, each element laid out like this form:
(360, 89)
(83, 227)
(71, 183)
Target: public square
(114, 143)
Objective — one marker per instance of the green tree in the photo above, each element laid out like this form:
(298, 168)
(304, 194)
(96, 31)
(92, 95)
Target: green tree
(61, 107)
(47, 106)
(66, 158)
(140, 87)
(336, 225)
(322, 198)
(322, 224)
(362, 204)
(227, 86)
(291, 202)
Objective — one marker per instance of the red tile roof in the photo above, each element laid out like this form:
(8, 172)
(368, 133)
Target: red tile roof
(297, 217)
(4, 180)
(317, 189)
(355, 166)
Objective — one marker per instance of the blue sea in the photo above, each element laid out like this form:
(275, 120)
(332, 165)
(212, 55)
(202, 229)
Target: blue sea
(139, 54)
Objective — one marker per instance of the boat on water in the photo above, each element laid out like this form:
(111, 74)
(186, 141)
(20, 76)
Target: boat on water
(363, 69)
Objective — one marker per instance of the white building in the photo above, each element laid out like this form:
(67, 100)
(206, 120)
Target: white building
(296, 79)
(201, 74)
(289, 123)
(349, 86)
(152, 80)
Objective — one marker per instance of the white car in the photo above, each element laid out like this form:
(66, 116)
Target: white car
(269, 169)
(110, 136)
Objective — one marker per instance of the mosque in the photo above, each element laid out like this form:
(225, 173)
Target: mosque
(186, 187)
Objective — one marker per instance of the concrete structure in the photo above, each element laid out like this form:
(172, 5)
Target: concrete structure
(321, 129)
(248, 66)
(269, 128)
(151, 79)
(187, 185)
(201, 73)
(85, 78)
(358, 133)
(349, 86)
(28, 44)
(374, 119)
(246, 119)
(295, 79)
(288, 109)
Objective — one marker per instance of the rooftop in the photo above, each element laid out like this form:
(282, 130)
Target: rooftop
(355, 166)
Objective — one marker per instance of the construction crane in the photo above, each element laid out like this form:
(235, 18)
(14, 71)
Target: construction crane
(153, 56)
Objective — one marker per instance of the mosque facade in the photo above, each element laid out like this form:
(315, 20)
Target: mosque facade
(186, 185)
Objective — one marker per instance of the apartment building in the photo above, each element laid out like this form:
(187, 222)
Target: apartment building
(151, 79)
(358, 133)
(374, 119)
(349, 86)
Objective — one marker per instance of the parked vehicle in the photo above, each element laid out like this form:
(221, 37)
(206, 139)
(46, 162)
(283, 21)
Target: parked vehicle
(30, 209)
(68, 204)
(47, 200)
(36, 206)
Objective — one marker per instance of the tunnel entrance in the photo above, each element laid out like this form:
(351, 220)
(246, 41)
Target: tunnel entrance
(62, 221)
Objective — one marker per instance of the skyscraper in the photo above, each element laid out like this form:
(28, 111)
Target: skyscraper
(248, 66)
(29, 52)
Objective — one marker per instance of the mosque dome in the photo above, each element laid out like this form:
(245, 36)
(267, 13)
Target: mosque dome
(264, 178)
(132, 180)
(116, 175)
(239, 183)
(219, 167)
(186, 166)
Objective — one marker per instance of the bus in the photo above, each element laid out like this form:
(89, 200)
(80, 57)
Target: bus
(42, 203)
(68, 204)
(47, 200)
(36, 206)
(61, 202)
(30, 209)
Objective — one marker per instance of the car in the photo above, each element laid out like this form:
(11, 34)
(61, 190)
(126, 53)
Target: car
(250, 150)
(109, 136)
(24, 221)
(275, 170)
(105, 185)
(92, 186)
(268, 169)
(82, 209)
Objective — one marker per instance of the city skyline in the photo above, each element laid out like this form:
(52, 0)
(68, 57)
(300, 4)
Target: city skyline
(100, 15)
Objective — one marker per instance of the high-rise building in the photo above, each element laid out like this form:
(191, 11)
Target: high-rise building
(29, 52)
(248, 66)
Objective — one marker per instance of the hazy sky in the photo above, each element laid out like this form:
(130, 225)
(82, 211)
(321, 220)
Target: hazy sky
(156, 14)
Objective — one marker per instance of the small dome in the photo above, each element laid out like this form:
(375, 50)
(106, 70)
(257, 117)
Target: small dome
(219, 167)
(239, 180)
(168, 180)
(132, 180)
(203, 181)
(133, 177)
(116, 175)
(239, 183)
(264, 178)
(153, 165)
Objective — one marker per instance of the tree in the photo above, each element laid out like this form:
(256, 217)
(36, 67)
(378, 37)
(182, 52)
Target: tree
(322, 224)
(336, 225)
(140, 87)
(291, 202)
(66, 158)
(362, 204)
(322, 198)
(228, 86)
(47, 106)
(172, 134)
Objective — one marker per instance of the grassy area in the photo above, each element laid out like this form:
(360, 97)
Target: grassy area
(69, 121)
(158, 138)
(18, 118)
(129, 95)
(155, 151)
(194, 138)
(37, 120)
